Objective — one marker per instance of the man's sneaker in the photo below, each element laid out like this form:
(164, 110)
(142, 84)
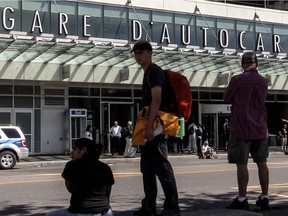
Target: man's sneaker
(236, 204)
(170, 212)
(263, 203)
(145, 212)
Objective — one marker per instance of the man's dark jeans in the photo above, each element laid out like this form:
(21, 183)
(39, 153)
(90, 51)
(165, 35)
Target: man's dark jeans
(154, 162)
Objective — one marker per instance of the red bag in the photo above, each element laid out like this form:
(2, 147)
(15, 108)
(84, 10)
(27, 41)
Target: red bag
(182, 91)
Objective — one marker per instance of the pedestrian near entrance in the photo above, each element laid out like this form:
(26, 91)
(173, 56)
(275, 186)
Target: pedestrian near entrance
(115, 137)
(88, 132)
(248, 129)
(226, 133)
(154, 161)
(192, 139)
(283, 136)
(88, 180)
(199, 133)
(128, 132)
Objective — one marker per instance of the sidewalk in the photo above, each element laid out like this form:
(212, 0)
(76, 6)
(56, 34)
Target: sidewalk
(46, 160)
(51, 160)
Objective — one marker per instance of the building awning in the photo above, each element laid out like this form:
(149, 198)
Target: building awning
(116, 53)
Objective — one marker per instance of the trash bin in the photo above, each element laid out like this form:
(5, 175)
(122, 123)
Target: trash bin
(272, 140)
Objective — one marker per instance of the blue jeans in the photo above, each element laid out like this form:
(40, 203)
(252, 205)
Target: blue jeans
(154, 162)
(65, 212)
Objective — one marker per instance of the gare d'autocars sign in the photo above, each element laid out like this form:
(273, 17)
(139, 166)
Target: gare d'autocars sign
(37, 27)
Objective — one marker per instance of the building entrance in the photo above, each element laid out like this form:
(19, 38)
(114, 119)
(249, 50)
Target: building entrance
(212, 119)
(77, 125)
(115, 111)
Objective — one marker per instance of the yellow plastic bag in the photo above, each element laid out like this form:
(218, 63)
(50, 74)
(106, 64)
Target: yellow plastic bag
(168, 121)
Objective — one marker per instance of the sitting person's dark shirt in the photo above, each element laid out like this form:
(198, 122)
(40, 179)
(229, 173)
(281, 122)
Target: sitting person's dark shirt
(91, 182)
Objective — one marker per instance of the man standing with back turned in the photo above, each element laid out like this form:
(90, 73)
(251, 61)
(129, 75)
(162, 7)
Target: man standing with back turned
(248, 129)
(154, 154)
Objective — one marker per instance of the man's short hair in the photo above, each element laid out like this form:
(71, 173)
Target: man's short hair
(142, 45)
(249, 58)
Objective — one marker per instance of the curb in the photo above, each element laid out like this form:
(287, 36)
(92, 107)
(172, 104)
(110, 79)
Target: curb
(51, 160)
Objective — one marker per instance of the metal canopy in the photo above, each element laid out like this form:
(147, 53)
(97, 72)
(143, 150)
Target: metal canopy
(100, 52)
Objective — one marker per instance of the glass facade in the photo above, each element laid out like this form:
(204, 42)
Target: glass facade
(84, 20)
(278, 4)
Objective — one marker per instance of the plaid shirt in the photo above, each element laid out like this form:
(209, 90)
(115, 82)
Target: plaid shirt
(247, 92)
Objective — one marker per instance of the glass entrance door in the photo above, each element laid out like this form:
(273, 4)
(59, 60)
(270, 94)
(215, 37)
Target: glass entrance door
(23, 119)
(78, 126)
(209, 122)
(115, 111)
(212, 119)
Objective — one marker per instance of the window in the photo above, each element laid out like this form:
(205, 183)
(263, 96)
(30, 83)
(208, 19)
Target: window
(11, 133)
(23, 102)
(29, 7)
(6, 89)
(116, 92)
(95, 20)
(139, 31)
(23, 90)
(70, 9)
(184, 23)
(206, 32)
(10, 16)
(229, 26)
(248, 39)
(115, 19)
(158, 28)
(5, 101)
(79, 91)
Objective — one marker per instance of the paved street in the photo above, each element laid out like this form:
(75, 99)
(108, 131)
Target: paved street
(205, 186)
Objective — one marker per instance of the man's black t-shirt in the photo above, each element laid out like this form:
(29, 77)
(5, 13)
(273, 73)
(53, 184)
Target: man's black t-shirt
(154, 76)
(90, 181)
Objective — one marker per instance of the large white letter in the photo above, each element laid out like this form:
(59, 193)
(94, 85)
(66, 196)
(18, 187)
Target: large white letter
(85, 25)
(204, 36)
(276, 41)
(12, 21)
(223, 36)
(240, 40)
(38, 20)
(186, 33)
(136, 25)
(63, 19)
(260, 43)
(165, 34)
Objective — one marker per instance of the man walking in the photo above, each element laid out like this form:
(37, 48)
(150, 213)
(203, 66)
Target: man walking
(248, 129)
(154, 160)
(115, 135)
(192, 141)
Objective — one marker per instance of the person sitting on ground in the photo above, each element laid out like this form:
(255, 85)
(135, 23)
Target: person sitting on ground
(88, 180)
(207, 151)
